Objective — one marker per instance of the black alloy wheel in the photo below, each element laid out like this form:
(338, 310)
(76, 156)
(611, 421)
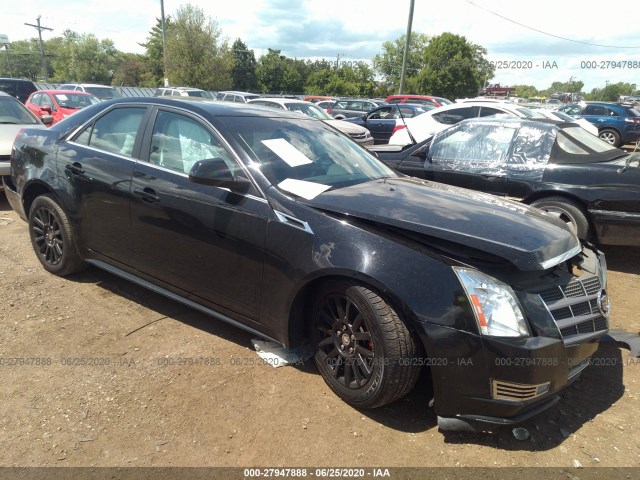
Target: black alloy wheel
(364, 351)
(52, 238)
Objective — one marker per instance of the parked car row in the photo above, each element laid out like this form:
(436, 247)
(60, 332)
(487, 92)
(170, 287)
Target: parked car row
(558, 167)
(279, 224)
(358, 133)
(617, 124)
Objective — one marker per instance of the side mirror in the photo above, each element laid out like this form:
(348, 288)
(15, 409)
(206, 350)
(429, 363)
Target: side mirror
(215, 172)
(46, 119)
(46, 108)
(421, 152)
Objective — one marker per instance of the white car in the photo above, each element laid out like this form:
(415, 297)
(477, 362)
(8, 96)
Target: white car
(423, 126)
(356, 132)
(557, 115)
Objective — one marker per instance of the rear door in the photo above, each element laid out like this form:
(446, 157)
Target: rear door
(207, 241)
(97, 166)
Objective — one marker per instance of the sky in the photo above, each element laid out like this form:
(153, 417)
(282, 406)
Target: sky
(521, 37)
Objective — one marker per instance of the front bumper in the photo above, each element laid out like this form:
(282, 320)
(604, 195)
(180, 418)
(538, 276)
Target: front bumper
(499, 380)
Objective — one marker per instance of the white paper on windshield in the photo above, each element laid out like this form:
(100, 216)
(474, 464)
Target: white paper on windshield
(301, 188)
(62, 97)
(287, 152)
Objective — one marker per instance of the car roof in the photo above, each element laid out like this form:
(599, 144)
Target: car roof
(200, 105)
(64, 92)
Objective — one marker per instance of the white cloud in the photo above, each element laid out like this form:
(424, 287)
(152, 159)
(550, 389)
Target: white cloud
(357, 28)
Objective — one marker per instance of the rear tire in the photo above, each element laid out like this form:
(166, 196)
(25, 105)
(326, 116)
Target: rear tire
(568, 211)
(610, 136)
(52, 238)
(364, 351)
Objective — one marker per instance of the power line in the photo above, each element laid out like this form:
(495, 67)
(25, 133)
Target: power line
(545, 33)
(44, 60)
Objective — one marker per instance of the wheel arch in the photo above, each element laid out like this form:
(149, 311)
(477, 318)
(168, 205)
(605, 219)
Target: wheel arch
(579, 202)
(298, 323)
(33, 190)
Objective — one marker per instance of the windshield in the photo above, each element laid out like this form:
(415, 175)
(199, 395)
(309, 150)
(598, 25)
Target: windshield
(12, 111)
(310, 110)
(528, 113)
(103, 92)
(304, 156)
(75, 100)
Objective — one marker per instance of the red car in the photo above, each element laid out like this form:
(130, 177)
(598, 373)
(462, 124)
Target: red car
(58, 103)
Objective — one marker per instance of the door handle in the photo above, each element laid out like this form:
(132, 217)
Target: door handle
(148, 195)
(75, 168)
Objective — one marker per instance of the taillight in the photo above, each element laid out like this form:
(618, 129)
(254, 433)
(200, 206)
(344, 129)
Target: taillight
(329, 110)
(398, 127)
(632, 119)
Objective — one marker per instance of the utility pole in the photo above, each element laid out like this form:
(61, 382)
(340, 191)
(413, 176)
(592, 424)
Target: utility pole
(44, 60)
(338, 60)
(406, 48)
(164, 45)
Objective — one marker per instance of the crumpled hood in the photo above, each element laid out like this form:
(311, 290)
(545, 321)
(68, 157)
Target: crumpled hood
(522, 235)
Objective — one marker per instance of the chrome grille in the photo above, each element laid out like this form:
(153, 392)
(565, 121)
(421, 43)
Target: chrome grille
(574, 307)
(358, 136)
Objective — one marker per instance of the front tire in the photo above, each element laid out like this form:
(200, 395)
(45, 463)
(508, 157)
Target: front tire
(52, 238)
(568, 211)
(364, 351)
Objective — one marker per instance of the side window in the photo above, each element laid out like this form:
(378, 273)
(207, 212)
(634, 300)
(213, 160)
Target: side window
(595, 110)
(612, 113)
(179, 141)
(385, 112)
(114, 132)
(36, 99)
(455, 115)
(47, 102)
(473, 148)
(488, 111)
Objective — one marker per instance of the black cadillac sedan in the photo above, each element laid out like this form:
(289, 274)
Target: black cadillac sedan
(556, 166)
(285, 227)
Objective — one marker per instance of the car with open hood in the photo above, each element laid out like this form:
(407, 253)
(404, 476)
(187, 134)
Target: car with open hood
(282, 226)
(556, 166)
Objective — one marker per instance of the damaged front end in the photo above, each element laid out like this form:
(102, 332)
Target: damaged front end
(537, 331)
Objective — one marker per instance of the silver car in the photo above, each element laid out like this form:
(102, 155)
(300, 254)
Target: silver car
(14, 116)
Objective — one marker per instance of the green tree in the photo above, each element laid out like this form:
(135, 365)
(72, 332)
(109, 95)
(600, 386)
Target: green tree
(454, 67)
(389, 63)
(244, 67)
(21, 59)
(154, 57)
(573, 86)
(131, 70)
(612, 92)
(197, 56)
(525, 91)
(84, 58)
(277, 73)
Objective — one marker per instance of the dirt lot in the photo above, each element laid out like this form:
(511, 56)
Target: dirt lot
(129, 410)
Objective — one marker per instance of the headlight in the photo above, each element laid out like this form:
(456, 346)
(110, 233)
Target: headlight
(494, 304)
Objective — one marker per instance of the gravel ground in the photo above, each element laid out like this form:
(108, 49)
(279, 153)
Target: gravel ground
(127, 407)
